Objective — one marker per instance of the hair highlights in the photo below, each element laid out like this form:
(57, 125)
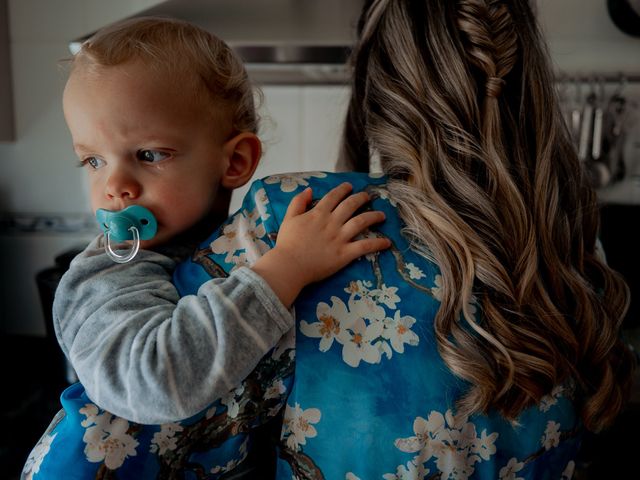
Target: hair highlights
(457, 99)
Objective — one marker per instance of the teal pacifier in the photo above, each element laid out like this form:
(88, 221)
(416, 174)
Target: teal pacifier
(133, 223)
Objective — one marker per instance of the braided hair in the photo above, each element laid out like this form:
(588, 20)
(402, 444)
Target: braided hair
(457, 100)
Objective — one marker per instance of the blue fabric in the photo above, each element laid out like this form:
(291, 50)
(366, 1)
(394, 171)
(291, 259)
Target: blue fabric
(372, 399)
(85, 442)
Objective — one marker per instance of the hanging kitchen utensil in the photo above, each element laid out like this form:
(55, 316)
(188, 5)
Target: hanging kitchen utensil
(586, 126)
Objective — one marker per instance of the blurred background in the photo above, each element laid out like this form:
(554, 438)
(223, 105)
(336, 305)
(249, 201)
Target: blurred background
(295, 51)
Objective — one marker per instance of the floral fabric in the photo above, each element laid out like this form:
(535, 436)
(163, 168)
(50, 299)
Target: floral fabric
(85, 442)
(357, 392)
(372, 399)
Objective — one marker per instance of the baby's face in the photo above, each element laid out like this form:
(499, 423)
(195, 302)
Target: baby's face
(144, 142)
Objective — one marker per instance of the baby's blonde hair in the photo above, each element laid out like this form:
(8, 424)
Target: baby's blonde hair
(201, 63)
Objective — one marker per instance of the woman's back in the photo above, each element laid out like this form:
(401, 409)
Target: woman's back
(482, 342)
(370, 396)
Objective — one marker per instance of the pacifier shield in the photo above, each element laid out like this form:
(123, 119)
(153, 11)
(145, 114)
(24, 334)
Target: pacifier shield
(119, 223)
(133, 223)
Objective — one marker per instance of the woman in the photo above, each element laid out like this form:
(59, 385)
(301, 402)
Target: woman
(457, 101)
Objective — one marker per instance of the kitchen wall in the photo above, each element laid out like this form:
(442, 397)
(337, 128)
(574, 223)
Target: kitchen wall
(42, 198)
(582, 37)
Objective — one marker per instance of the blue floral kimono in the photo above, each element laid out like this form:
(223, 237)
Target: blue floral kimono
(357, 391)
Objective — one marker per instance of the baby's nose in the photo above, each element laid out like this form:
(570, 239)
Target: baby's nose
(122, 185)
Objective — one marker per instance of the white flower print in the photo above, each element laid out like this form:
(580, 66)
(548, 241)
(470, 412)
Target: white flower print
(165, 440)
(383, 193)
(106, 438)
(298, 425)
(384, 347)
(275, 390)
(32, 465)
(436, 290)
(569, 470)
(230, 400)
(509, 471)
(452, 441)
(548, 401)
(414, 272)
(453, 461)
(242, 234)
(410, 472)
(363, 302)
(398, 331)
(91, 412)
(551, 436)
(425, 433)
(387, 296)
(329, 326)
(351, 476)
(362, 326)
(233, 463)
(366, 307)
(483, 445)
(253, 217)
(357, 342)
(261, 201)
(289, 182)
(358, 287)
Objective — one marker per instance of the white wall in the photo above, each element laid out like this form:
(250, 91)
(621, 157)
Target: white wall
(38, 174)
(36, 167)
(582, 38)
(301, 129)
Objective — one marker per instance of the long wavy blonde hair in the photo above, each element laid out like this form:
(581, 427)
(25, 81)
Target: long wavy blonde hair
(457, 99)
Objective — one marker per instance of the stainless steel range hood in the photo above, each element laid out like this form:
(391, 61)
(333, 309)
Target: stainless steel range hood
(295, 64)
(281, 41)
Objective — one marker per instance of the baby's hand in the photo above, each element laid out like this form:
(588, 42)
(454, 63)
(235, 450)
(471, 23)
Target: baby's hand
(315, 244)
(321, 240)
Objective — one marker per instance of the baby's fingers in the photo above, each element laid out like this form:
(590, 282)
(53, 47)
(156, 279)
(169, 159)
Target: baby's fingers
(359, 223)
(334, 196)
(350, 205)
(365, 246)
(298, 204)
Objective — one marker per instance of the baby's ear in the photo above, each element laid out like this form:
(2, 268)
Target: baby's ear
(242, 153)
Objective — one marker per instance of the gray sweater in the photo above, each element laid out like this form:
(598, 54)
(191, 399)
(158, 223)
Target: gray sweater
(124, 329)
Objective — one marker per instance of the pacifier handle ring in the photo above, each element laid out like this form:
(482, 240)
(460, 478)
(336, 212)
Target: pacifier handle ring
(130, 254)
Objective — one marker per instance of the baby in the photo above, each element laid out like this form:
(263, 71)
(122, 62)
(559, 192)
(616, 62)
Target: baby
(162, 116)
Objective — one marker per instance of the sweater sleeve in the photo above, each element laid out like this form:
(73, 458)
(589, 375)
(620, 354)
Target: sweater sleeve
(147, 355)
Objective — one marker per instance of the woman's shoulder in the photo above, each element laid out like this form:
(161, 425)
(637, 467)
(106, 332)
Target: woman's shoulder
(294, 182)
(274, 192)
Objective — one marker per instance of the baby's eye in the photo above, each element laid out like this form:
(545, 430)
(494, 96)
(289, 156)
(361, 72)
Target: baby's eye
(151, 155)
(93, 162)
